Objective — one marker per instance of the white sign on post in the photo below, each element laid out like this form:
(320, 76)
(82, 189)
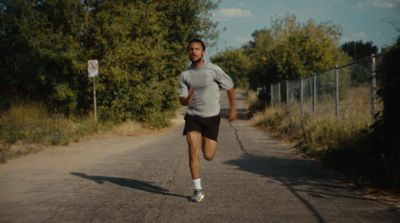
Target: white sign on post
(93, 68)
(93, 71)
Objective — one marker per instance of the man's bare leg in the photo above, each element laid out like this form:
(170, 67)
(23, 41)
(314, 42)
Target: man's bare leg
(194, 142)
(209, 148)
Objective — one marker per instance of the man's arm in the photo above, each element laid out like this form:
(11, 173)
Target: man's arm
(186, 101)
(232, 114)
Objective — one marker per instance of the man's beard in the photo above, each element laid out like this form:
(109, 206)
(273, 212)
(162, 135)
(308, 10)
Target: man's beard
(196, 61)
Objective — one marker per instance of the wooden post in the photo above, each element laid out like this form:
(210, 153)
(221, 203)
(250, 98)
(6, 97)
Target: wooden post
(272, 95)
(301, 98)
(314, 94)
(337, 92)
(94, 99)
(287, 95)
(373, 88)
(279, 94)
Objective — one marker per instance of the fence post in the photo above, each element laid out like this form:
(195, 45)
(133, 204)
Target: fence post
(301, 98)
(279, 94)
(373, 88)
(314, 95)
(337, 92)
(272, 96)
(287, 94)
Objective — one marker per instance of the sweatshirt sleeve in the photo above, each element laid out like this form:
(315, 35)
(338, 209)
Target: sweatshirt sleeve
(223, 80)
(183, 87)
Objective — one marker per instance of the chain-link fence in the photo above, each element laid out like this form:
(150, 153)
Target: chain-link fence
(347, 92)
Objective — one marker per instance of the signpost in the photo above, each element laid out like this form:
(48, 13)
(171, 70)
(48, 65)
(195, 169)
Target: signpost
(93, 71)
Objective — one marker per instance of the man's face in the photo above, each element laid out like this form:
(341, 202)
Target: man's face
(196, 52)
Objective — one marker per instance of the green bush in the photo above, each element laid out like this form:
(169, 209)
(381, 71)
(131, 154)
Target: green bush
(140, 46)
(385, 132)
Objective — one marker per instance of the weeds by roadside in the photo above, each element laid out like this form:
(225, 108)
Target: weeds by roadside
(28, 127)
(313, 135)
(345, 146)
(25, 127)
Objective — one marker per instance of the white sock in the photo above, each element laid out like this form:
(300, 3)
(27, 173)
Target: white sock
(197, 184)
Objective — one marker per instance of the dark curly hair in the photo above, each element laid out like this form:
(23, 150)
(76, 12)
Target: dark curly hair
(196, 40)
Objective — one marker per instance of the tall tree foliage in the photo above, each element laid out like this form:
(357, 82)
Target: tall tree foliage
(41, 45)
(360, 73)
(140, 46)
(359, 49)
(291, 50)
(386, 129)
(236, 63)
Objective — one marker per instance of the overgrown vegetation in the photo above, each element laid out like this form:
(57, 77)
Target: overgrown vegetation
(27, 126)
(44, 49)
(313, 136)
(368, 153)
(316, 133)
(290, 50)
(359, 49)
(386, 130)
(237, 64)
(287, 50)
(140, 45)
(375, 154)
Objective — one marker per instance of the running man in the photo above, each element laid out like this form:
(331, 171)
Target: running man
(199, 89)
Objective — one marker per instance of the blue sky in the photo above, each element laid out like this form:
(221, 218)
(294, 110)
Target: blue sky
(368, 20)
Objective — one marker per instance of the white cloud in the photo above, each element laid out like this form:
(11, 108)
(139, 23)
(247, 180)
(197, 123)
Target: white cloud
(359, 36)
(388, 4)
(382, 4)
(234, 13)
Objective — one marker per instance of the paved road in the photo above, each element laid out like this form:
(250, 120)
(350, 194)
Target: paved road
(146, 179)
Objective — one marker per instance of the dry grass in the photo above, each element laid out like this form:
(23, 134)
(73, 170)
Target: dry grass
(251, 98)
(314, 136)
(128, 128)
(27, 128)
(316, 133)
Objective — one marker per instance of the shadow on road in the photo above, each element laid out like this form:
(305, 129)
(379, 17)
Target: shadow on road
(125, 182)
(302, 178)
(285, 171)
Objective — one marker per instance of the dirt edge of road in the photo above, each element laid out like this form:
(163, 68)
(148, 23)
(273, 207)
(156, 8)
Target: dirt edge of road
(130, 129)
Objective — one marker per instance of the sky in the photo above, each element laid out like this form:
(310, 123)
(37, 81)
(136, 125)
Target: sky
(368, 20)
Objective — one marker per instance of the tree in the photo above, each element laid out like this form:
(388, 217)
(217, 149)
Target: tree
(42, 44)
(235, 63)
(386, 129)
(291, 50)
(360, 72)
(359, 49)
(143, 55)
(140, 46)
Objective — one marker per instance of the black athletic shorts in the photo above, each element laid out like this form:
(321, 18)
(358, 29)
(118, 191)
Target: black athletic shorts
(208, 127)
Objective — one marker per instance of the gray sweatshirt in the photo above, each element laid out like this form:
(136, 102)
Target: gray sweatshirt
(206, 81)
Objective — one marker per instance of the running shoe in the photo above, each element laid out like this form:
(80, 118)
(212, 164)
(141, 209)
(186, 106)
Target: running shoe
(198, 196)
